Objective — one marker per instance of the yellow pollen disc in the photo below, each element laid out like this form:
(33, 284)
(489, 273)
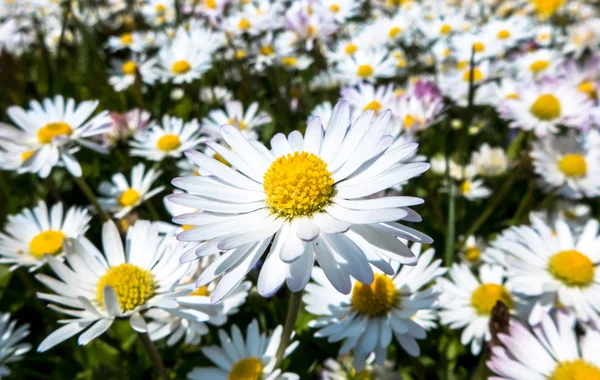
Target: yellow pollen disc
(267, 50)
(572, 267)
(503, 34)
(239, 123)
(239, 54)
(484, 298)
(477, 75)
(289, 61)
(365, 71)
(462, 64)
(244, 24)
(573, 165)
(129, 68)
(472, 254)
(377, 299)
(334, 8)
(546, 107)
(374, 105)
(445, 29)
(51, 130)
(25, 155)
(246, 369)
(311, 31)
(46, 243)
(399, 92)
(465, 187)
(395, 31)
(126, 38)
(539, 66)
(588, 88)
(350, 49)
(168, 142)
(512, 95)
(576, 370)
(298, 184)
(212, 4)
(201, 291)
(187, 227)
(546, 8)
(160, 8)
(129, 197)
(478, 47)
(409, 121)
(133, 285)
(181, 67)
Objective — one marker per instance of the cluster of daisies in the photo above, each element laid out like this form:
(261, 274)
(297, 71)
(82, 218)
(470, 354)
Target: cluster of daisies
(283, 141)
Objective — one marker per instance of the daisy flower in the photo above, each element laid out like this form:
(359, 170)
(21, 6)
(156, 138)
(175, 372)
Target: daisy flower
(13, 154)
(250, 358)
(215, 95)
(367, 66)
(94, 288)
(471, 253)
(467, 301)
(367, 318)
(418, 108)
(247, 122)
(125, 125)
(536, 64)
(123, 41)
(542, 107)
(11, 348)
(183, 60)
(57, 129)
(170, 139)
(553, 351)
(33, 235)
(120, 197)
(455, 83)
(307, 195)
(366, 96)
(442, 26)
(159, 12)
(341, 369)
(341, 10)
(471, 187)
(568, 164)
(580, 37)
(507, 32)
(489, 162)
(124, 73)
(553, 265)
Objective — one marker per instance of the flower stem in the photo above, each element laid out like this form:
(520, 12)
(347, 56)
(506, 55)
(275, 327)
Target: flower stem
(89, 193)
(294, 303)
(155, 356)
(450, 227)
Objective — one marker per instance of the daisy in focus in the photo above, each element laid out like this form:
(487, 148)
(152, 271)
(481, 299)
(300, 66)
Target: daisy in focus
(11, 347)
(33, 235)
(367, 318)
(249, 358)
(170, 139)
(95, 288)
(246, 121)
(552, 351)
(56, 128)
(307, 195)
(121, 196)
(553, 265)
(467, 302)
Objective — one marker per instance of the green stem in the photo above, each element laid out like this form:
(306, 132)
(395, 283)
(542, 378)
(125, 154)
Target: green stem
(451, 226)
(294, 303)
(525, 201)
(155, 356)
(152, 210)
(89, 193)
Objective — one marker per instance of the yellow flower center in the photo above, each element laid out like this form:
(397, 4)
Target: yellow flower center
(187, 227)
(181, 67)
(465, 187)
(576, 370)
(129, 68)
(298, 184)
(395, 31)
(365, 71)
(472, 254)
(126, 38)
(484, 298)
(445, 29)
(572, 267)
(350, 49)
(51, 130)
(538, 66)
(201, 291)
(267, 50)
(168, 142)
(462, 64)
(477, 75)
(244, 24)
(334, 8)
(588, 88)
(237, 122)
(25, 155)
(239, 54)
(132, 284)
(503, 34)
(374, 105)
(546, 8)
(512, 95)
(573, 165)
(246, 369)
(129, 197)
(46, 243)
(546, 107)
(289, 61)
(377, 299)
(160, 8)
(409, 121)
(212, 4)
(478, 47)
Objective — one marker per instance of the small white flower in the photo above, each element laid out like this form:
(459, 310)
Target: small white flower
(489, 162)
(246, 122)
(11, 348)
